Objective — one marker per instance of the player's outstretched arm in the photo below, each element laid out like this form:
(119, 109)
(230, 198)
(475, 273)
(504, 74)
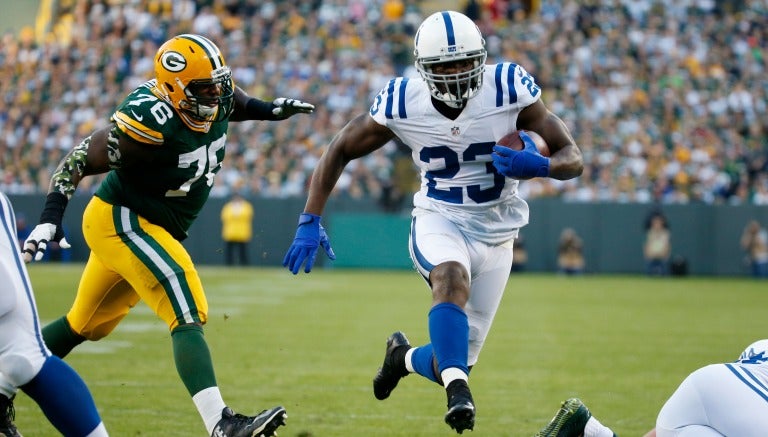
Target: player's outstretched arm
(361, 136)
(566, 161)
(251, 108)
(96, 154)
(82, 160)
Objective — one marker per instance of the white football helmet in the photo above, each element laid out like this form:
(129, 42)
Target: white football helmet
(452, 39)
(755, 353)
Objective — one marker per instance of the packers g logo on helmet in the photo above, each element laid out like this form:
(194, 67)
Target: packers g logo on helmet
(192, 76)
(173, 61)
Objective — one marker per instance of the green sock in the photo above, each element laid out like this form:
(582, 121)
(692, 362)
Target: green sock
(60, 338)
(193, 359)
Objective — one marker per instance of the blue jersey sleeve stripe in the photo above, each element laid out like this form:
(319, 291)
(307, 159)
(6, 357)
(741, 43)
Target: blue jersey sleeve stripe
(389, 110)
(401, 97)
(390, 99)
(449, 29)
(499, 90)
(511, 83)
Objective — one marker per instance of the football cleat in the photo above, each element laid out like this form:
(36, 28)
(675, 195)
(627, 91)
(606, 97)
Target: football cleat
(391, 370)
(263, 424)
(569, 421)
(461, 407)
(7, 414)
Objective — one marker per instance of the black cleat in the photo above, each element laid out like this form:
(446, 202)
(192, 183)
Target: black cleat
(7, 414)
(263, 424)
(461, 407)
(393, 368)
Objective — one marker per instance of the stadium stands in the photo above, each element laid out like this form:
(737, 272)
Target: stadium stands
(667, 99)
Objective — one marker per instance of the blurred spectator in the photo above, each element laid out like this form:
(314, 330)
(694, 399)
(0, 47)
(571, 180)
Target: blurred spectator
(519, 254)
(22, 229)
(658, 246)
(754, 241)
(570, 253)
(678, 265)
(236, 229)
(55, 253)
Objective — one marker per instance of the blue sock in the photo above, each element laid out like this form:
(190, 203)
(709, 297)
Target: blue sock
(64, 398)
(449, 332)
(421, 359)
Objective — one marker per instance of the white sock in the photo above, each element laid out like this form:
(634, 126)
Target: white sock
(408, 363)
(451, 374)
(594, 428)
(209, 404)
(99, 431)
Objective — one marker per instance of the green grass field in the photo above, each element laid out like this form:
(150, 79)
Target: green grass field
(313, 342)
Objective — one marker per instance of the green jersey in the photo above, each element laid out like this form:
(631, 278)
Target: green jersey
(171, 190)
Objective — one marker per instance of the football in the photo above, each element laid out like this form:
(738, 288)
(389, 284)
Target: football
(513, 141)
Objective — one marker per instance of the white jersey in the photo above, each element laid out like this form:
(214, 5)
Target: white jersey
(458, 179)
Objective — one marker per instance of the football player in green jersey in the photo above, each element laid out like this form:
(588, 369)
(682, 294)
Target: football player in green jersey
(162, 149)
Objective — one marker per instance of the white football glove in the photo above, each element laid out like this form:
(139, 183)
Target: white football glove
(285, 108)
(37, 242)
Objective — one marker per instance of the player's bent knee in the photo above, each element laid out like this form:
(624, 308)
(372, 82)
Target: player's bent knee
(450, 282)
(173, 322)
(95, 333)
(20, 369)
(187, 327)
(92, 329)
(450, 271)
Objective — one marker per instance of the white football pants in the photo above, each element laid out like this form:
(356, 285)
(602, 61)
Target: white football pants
(435, 240)
(22, 350)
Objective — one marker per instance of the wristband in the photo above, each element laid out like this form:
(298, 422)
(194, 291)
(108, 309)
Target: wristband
(306, 218)
(53, 211)
(534, 166)
(260, 110)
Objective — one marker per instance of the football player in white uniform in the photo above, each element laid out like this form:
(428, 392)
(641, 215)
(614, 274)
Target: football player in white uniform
(25, 361)
(728, 399)
(467, 212)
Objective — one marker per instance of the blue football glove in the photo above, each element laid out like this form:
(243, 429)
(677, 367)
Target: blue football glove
(524, 164)
(309, 236)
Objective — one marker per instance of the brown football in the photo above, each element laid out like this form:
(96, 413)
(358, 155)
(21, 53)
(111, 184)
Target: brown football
(513, 141)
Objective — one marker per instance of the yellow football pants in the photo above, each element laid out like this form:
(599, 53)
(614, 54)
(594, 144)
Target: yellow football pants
(133, 259)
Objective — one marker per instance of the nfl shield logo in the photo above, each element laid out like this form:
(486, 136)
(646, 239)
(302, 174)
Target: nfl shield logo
(455, 131)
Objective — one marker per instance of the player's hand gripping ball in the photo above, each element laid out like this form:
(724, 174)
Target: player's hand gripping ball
(513, 141)
(521, 155)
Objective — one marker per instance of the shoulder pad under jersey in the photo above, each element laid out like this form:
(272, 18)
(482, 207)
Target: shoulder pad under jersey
(144, 116)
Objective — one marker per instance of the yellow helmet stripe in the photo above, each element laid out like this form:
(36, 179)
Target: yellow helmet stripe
(210, 49)
(136, 130)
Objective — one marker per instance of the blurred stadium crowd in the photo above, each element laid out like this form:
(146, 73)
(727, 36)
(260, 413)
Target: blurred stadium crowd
(668, 100)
